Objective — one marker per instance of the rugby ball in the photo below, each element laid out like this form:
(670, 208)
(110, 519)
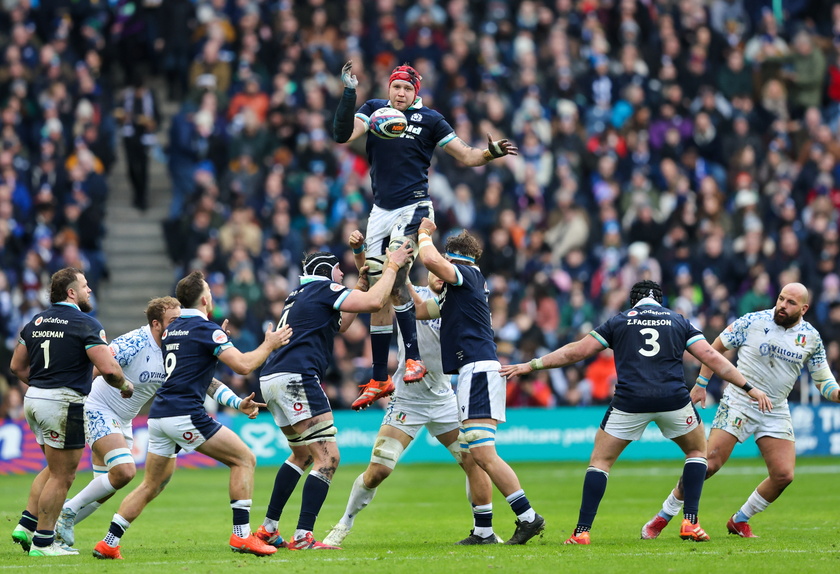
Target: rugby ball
(388, 123)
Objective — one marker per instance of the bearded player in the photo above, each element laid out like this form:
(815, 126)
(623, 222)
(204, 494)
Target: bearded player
(399, 172)
(773, 347)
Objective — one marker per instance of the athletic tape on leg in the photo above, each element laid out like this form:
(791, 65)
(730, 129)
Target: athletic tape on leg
(118, 456)
(387, 451)
(295, 440)
(323, 431)
(99, 470)
(476, 435)
(455, 450)
(375, 265)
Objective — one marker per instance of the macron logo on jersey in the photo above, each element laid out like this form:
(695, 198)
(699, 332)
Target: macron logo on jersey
(219, 336)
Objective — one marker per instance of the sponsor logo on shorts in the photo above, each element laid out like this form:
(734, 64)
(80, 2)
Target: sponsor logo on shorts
(297, 407)
(54, 435)
(689, 421)
(188, 436)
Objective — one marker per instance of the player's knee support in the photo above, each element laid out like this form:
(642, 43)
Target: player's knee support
(387, 451)
(99, 470)
(455, 450)
(375, 266)
(397, 242)
(476, 435)
(323, 431)
(117, 457)
(295, 440)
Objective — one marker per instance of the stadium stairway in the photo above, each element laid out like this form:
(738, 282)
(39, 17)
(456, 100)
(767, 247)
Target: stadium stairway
(138, 265)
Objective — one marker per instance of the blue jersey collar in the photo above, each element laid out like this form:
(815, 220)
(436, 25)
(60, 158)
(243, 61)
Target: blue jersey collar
(76, 307)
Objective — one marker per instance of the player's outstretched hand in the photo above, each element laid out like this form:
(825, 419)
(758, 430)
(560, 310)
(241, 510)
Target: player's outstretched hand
(225, 327)
(509, 371)
(347, 76)
(764, 404)
(500, 148)
(127, 391)
(427, 225)
(402, 256)
(278, 338)
(250, 407)
(698, 395)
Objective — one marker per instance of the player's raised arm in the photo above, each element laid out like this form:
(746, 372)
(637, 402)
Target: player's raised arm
(374, 299)
(431, 257)
(347, 127)
(474, 157)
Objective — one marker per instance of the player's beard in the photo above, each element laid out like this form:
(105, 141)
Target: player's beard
(785, 321)
(85, 306)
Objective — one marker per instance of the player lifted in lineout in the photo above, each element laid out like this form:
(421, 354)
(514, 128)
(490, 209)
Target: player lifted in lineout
(399, 171)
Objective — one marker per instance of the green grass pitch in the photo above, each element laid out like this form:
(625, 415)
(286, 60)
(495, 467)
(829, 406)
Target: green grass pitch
(421, 510)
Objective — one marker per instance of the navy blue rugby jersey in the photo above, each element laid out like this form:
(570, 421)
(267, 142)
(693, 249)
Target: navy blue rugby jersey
(648, 341)
(312, 310)
(57, 341)
(466, 335)
(191, 346)
(399, 167)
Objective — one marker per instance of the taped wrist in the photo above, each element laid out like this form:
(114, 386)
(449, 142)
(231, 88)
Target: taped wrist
(345, 116)
(226, 397)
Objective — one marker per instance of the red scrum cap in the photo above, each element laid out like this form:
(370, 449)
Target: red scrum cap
(407, 74)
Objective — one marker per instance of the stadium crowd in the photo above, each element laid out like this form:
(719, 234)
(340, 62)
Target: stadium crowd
(690, 142)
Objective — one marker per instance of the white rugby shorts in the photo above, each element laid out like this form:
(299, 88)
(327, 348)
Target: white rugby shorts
(100, 422)
(631, 426)
(293, 398)
(56, 417)
(386, 224)
(170, 435)
(481, 392)
(738, 415)
(410, 416)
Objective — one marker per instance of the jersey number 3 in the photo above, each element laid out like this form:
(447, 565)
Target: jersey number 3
(651, 340)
